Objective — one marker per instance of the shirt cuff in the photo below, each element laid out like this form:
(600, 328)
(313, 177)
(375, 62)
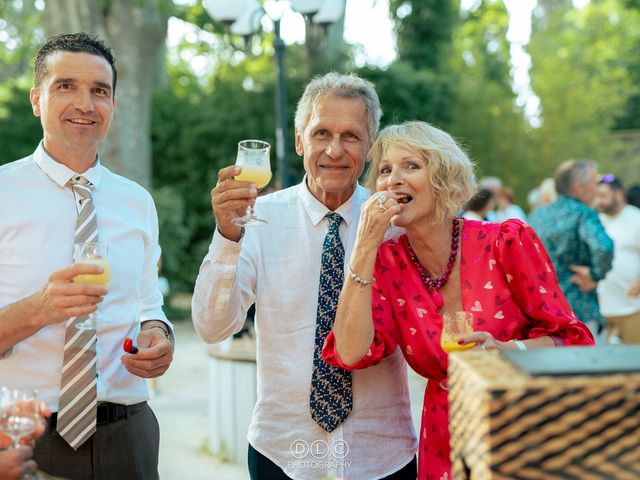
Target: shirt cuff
(222, 249)
(171, 335)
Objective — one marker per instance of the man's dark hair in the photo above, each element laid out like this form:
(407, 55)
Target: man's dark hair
(73, 42)
(480, 200)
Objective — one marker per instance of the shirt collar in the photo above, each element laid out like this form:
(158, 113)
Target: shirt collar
(349, 210)
(60, 173)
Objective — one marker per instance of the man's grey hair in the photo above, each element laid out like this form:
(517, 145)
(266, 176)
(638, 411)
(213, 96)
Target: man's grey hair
(341, 85)
(570, 172)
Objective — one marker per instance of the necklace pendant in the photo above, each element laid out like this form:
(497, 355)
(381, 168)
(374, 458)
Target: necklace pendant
(437, 299)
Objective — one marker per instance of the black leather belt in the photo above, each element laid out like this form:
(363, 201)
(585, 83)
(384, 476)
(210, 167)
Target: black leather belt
(107, 413)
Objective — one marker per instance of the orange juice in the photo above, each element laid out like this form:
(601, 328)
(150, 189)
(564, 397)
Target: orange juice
(101, 279)
(450, 344)
(256, 174)
(454, 326)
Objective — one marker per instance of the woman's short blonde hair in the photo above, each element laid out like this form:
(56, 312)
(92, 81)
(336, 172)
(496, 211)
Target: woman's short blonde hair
(448, 166)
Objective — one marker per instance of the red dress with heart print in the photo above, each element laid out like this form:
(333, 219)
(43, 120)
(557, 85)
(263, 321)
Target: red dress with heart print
(507, 281)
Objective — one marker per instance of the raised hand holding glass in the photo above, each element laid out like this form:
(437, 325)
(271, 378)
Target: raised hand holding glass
(253, 157)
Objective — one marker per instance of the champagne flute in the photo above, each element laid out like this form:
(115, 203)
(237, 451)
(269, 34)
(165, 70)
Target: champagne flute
(253, 157)
(454, 326)
(19, 416)
(18, 413)
(94, 253)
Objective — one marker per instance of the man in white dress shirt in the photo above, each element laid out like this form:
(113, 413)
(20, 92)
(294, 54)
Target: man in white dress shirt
(619, 291)
(277, 266)
(74, 96)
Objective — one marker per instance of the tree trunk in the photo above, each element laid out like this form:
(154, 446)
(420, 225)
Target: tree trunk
(136, 31)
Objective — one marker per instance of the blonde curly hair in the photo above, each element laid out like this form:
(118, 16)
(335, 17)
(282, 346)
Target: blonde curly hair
(448, 166)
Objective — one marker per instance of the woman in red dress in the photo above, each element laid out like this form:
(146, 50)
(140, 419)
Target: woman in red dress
(397, 291)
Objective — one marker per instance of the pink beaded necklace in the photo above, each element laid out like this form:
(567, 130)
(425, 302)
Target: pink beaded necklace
(435, 284)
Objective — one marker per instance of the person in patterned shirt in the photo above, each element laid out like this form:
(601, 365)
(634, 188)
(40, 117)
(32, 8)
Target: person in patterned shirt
(399, 289)
(579, 247)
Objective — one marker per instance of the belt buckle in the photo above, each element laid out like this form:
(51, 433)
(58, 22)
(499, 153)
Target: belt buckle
(106, 413)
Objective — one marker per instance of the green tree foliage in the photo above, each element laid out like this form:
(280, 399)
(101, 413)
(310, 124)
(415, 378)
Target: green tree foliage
(630, 117)
(407, 93)
(582, 60)
(452, 70)
(19, 38)
(20, 34)
(20, 130)
(484, 115)
(174, 235)
(420, 84)
(424, 29)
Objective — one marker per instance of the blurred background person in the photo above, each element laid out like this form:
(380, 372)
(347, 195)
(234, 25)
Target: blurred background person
(543, 194)
(506, 206)
(533, 198)
(619, 291)
(576, 241)
(480, 205)
(490, 183)
(547, 191)
(495, 185)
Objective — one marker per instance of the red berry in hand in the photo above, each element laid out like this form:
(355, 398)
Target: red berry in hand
(128, 347)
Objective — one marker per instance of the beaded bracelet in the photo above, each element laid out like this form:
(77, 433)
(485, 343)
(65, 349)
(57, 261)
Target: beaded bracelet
(360, 280)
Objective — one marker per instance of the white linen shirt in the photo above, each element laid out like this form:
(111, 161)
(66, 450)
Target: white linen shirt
(37, 222)
(277, 266)
(624, 230)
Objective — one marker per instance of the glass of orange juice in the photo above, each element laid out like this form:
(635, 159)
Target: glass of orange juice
(454, 326)
(94, 253)
(253, 157)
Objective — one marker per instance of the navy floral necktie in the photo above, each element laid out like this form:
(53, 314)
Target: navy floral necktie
(331, 396)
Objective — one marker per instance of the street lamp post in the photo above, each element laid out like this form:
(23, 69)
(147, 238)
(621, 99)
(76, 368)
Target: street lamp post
(242, 17)
(281, 109)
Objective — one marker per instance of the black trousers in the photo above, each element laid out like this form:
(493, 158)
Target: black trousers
(261, 468)
(121, 448)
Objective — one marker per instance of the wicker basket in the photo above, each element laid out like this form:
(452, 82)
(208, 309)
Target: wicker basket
(507, 424)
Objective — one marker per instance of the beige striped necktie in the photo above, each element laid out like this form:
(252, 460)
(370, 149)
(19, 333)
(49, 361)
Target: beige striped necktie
(78, 393)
